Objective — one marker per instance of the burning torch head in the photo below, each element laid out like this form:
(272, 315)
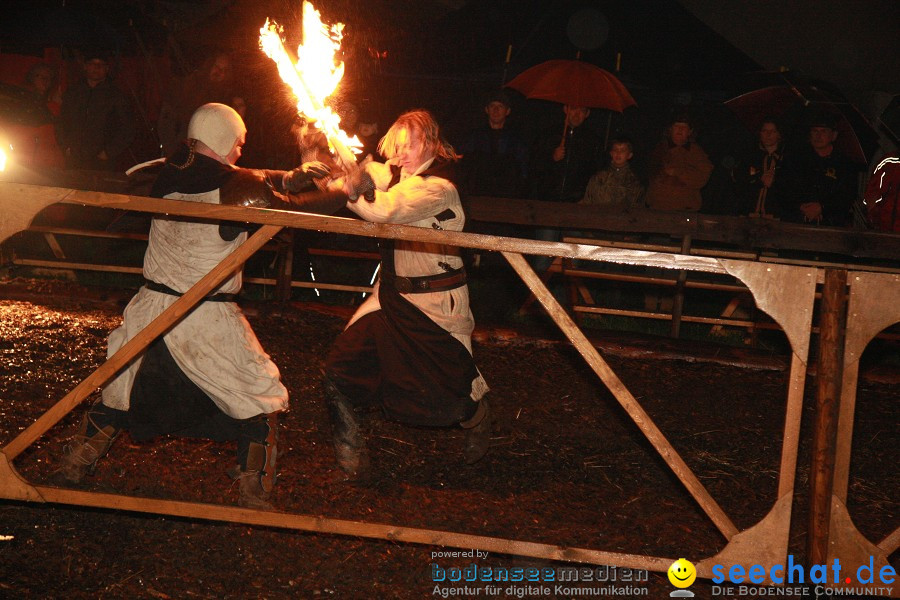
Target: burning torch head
(218, 126)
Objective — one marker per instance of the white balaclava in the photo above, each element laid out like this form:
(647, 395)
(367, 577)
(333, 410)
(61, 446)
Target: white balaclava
(218, 126)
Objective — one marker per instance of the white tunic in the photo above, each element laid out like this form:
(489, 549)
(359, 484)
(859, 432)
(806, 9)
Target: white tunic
(415, 201)
(214, 344)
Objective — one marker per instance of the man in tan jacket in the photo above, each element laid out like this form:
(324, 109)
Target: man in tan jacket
(678, 169)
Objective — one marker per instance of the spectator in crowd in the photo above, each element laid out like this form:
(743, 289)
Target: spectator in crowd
(362, 125)
(822, 181)
(349, 115)
(759, 176)
(678, 168)
(881, 194)
(207, 376)
(43, 81)
(616, 186)
(214, 81)
(561, 166)
(96, 123)
(32, 129)
(369, 134)
(495, 157)
(408, 348)
(560, 169)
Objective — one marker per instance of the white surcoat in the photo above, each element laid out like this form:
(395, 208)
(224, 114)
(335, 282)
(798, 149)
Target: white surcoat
(416, 201)
(214, 344)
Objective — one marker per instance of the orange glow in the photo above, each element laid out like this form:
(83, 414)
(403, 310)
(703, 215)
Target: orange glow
(314, 76)
(2, 160)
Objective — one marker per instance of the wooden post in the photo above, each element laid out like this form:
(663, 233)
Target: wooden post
(284, 267)
(829, 364)
(678, 301)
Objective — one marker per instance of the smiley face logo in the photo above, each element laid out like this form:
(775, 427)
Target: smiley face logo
(682, 573)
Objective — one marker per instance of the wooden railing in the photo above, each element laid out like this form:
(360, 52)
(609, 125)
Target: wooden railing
(745, 238)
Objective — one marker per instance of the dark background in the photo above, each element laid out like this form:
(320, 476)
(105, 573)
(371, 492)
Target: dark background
(446, 55)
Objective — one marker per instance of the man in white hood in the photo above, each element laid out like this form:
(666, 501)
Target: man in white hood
(208, 376)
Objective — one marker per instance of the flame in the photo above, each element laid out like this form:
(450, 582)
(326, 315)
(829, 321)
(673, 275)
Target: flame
(314, 76)
(3, 159)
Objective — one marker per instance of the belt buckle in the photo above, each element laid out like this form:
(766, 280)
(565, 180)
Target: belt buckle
(403, 285)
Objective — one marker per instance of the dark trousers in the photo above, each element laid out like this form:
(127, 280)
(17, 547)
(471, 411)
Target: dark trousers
(165, 401)
(400, 359)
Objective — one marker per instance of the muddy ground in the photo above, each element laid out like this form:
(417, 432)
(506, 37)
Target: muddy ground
(567, 467)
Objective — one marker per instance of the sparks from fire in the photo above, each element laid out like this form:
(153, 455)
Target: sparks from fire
(314, 76)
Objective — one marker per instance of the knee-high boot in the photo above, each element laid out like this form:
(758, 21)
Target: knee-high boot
(257, 454)
(349, 445)
(98, 430)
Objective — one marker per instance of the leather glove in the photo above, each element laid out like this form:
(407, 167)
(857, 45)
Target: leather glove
(361, 184)
(295, 180)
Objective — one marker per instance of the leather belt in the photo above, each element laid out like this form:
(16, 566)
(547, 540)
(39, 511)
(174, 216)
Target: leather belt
(441, 282)
(164, 289)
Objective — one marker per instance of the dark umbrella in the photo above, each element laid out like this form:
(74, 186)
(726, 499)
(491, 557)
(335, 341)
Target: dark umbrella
(575, 83)
(791, 101)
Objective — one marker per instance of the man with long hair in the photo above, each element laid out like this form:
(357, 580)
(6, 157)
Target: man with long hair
(408, 348)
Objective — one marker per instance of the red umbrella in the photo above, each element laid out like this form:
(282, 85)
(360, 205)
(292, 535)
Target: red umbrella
(575, 83)
(856, 139)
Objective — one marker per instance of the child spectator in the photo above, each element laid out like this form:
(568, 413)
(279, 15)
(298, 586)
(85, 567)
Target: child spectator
(616, 185)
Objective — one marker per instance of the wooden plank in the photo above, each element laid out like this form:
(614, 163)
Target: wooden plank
(667, 317)
(59, 264)
(873, 307)
(891, 542)
(94, 233)
(20, 203)
(343, 253)
(363, 529)
(54, 246)
(625, 398)
(741, 232)
(828, 386)
(15, 194)
(714, 252)
(650, 280)
(790, 441)
(138, 343)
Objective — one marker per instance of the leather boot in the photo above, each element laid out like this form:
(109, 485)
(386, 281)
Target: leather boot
(346, 434)
(478, 433)
(81, 453)
(258, 471)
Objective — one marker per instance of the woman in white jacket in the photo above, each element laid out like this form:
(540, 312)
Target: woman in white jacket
(408, 348)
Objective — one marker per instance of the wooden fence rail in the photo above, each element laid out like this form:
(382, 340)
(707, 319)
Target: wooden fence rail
(581, 301)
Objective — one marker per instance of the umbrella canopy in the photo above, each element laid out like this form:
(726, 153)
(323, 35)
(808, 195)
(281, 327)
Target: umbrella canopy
(575, 83)
(792, 103)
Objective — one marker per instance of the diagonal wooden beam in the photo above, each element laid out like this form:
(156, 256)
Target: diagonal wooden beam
(139, 343)
(625, 398)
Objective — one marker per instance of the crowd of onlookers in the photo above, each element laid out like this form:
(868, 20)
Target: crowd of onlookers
(813, 184)
(92, 124)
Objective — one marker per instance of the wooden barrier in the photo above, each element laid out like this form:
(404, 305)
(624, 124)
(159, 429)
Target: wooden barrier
(785, 292)
(763, 240)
